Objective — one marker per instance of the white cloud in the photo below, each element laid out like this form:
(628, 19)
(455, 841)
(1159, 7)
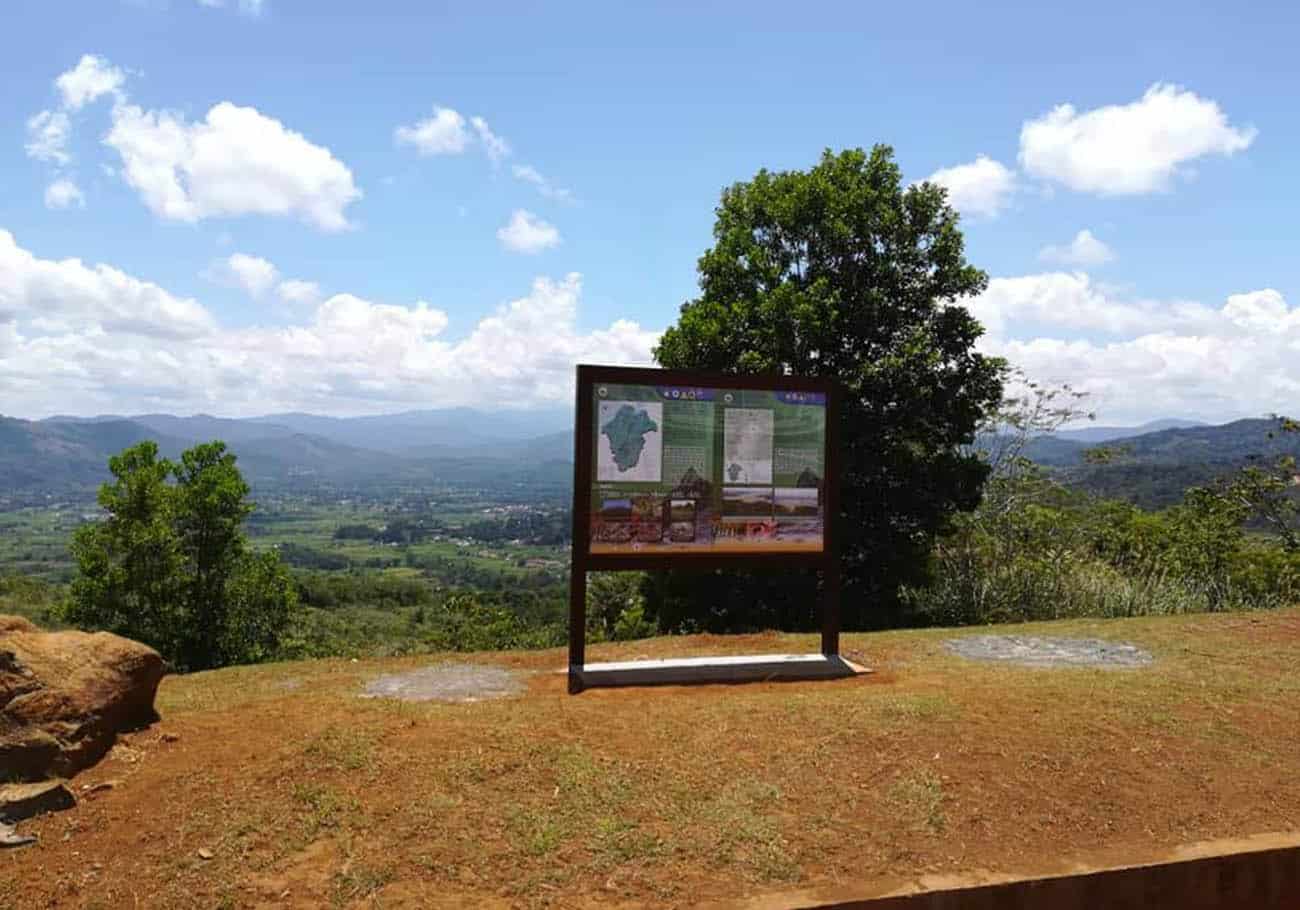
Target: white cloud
(64, 193)
(496, 147)
(47, 136)
(526, 233)
(237, 161)
(1141, 359)
(1129, 148)
(252, 8)
(93, 300)
(1083, 250)
(1071, 300)
(447, 132)
(297, 291)
(252, 274)
(530, 174)
(92, 78)
(442, 134)
(350, 355)
(982, 188)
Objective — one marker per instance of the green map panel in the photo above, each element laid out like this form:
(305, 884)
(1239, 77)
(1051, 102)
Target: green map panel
(626, 432)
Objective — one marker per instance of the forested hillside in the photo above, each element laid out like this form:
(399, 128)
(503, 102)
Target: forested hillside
(66, 456)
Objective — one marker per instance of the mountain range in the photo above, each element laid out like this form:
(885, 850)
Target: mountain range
(66, 454)
(1153, 463)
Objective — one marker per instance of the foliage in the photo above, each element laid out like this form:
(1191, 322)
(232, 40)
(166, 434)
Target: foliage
(304, 557)
(356, 532)
(616, 606)
(332, 590)
(721, 601)
(1035, 549)
(170, 565)
(31, 598)
(842, 271)
(1266, 489)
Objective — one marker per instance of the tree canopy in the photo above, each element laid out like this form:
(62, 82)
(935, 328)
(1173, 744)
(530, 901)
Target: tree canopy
(170, 565)
(843, 271)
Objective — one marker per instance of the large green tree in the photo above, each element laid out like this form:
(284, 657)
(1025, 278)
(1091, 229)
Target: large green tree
(170, 565)
(843, 271)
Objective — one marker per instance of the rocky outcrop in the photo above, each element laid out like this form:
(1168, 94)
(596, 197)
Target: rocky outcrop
(20, 801)
(64, 697)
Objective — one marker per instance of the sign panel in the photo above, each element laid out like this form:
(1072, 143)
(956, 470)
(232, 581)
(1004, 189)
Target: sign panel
(721, 466)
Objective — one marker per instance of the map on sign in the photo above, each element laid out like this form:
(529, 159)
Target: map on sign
(728, 471)
(631, 441)
(747, 445)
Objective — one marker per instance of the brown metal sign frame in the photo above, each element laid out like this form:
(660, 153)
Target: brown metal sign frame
(582, 560)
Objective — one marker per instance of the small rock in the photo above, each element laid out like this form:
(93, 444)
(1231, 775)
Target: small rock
(19, 801)
(11, 838)
(205, 853)
(88, 789)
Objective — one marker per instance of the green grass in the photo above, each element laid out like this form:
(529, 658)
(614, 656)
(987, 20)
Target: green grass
(920, 797)
(663, 796)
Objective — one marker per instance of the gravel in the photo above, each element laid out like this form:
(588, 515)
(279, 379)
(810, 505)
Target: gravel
(446, 682)
(1050, 652)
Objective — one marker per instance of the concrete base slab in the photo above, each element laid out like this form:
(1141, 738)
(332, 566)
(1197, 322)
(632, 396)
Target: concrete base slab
(686, 670)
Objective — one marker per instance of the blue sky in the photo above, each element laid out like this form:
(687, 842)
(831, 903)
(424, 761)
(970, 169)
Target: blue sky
(387, 255)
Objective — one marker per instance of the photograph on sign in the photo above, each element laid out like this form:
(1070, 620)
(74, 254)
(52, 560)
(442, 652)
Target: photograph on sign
(706, 470)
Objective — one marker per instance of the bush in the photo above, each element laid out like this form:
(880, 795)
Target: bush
(170, 565)
(1068, 556)
(31, 598)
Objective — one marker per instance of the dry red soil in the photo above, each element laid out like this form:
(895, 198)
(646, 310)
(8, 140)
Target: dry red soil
(278, 786)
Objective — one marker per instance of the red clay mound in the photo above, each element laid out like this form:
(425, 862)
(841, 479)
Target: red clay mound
(64, 696)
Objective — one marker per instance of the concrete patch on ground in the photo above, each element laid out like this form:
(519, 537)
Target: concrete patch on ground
(1031, 651)
(446, 682)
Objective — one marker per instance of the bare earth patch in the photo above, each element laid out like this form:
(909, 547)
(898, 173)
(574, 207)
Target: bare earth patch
(1031, 651)
(446, 682)
(247, 794)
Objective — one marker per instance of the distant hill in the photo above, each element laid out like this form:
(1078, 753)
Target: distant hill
(524, 450)
(1093, 435)
(64, 455)
(446, 429)
(1153, 469)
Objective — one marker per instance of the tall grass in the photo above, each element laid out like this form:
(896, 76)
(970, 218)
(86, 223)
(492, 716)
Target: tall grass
(974, 585)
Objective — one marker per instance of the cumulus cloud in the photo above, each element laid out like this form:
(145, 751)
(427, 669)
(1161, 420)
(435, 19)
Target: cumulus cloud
(47, 137)
(1141, 359)
(237, 161)
(252, 8)
(1072, 300)
(256, 276)
(298, 291)
(1083, 250)
(92, 300)
(530, 174)
(448, 132)
(982, 187)
(49, 131)
(444, 133)
(1128, 149)
(251, 274)
(92, 78)
(495, 147)
(64, 193)
(85, 340)
(526, 233)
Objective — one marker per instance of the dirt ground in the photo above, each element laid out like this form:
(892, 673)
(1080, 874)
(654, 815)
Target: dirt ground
(279, 786)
